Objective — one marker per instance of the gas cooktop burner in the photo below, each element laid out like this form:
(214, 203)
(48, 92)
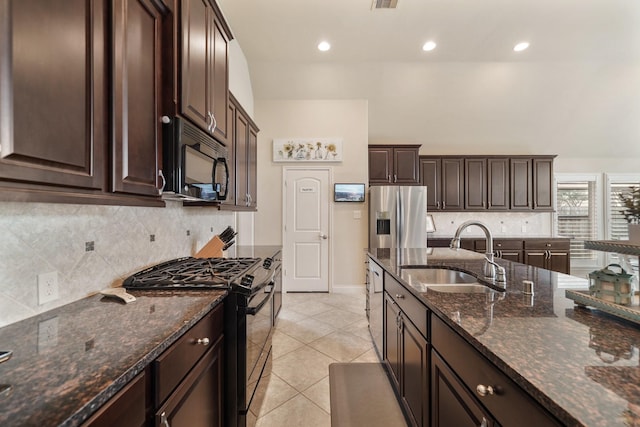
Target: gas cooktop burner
(191, 273)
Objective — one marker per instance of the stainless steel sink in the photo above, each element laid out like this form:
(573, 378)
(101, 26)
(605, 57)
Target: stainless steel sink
(443, 276)
(470, 288)
(444, 280)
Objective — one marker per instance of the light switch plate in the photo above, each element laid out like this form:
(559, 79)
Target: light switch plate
(357, 214)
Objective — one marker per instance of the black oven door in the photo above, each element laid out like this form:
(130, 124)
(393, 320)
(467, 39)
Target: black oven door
(259, 315)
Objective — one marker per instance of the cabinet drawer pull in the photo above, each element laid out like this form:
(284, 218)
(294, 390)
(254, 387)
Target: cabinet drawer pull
(484, 422)
(203, 341)
(163, 420)
(484, 390)
(399, 296)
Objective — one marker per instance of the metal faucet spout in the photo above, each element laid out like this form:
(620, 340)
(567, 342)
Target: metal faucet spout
(490, 266)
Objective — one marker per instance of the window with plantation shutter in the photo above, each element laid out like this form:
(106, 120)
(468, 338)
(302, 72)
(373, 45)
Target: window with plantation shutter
(577, 216)
(617, 226)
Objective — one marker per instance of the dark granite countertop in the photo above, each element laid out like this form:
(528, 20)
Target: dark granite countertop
(580, 364)
(69, 361)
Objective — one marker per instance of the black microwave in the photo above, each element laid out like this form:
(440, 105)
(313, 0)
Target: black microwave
(194, 164)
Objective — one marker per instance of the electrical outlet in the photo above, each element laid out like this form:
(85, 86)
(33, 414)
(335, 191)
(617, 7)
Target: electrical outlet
(47, 287)
(47, 334)
(524, 228)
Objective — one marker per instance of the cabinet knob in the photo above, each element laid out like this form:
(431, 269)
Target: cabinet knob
(203, 341)
(399, 296)
(165, 119)
(484, 390)
(484, 422)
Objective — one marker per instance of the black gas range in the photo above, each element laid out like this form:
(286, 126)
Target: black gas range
(255, 287)
(244, 275)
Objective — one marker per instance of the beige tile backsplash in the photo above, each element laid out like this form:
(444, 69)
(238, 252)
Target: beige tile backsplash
(38, 238)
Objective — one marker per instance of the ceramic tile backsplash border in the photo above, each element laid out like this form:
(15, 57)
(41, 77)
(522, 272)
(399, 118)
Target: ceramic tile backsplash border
(91, 247)
(505, 224)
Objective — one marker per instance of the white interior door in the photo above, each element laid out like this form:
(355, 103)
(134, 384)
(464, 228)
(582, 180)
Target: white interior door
(306, 230)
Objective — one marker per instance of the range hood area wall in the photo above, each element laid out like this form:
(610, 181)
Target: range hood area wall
(90, 247)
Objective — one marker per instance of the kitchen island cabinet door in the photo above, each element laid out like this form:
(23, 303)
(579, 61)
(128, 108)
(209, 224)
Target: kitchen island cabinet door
(391, 345)
(452, 404)
(137, 89)
(53, 113)
(414, 373)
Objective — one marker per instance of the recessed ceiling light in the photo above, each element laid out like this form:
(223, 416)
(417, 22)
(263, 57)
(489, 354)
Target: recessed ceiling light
(324, 46)
(430, 45)
(521, 46)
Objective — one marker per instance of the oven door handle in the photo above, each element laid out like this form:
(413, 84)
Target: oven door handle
(253, 310)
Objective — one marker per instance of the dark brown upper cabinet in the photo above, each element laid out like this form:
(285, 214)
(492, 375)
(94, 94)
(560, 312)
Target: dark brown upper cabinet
(204, 67)
(394, 165)
(430, 177)
(243, 162)
(475, 183)
(80, 116)
(444, 179)
(498, 183)
(542, 184)
(53, 111)
(478, 183)
(521, 185)
(137, 96)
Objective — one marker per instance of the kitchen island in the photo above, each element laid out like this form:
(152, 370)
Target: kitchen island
(581, 367)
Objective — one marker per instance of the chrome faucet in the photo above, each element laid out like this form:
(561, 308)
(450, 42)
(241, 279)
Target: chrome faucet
(491, 269)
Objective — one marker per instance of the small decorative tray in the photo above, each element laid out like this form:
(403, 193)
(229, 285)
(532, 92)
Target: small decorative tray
(630, 313)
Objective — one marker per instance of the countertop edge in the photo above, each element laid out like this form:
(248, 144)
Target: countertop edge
(86, 411)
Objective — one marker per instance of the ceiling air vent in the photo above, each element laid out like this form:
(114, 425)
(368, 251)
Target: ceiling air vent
(384, 4)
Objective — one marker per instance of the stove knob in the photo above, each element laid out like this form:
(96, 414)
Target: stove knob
(267, 263)
(247, 281)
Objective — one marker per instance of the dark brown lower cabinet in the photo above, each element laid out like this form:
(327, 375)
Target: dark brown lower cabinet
(407, 356)
(507, 404)
(452, 403)
(197, 401)
(126, 409)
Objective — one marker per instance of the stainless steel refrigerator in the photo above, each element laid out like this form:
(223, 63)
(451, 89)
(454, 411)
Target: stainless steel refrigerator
(398, 216)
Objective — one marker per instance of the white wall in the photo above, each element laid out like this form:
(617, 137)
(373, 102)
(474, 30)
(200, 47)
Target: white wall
(316, 118)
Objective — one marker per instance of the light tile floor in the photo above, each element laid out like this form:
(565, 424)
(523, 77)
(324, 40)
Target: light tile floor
(313, 331)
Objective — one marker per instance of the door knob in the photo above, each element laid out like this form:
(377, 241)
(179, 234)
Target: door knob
(324, 236)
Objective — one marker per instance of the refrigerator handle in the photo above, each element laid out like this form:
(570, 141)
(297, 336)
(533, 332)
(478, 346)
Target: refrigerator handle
(399, 220)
